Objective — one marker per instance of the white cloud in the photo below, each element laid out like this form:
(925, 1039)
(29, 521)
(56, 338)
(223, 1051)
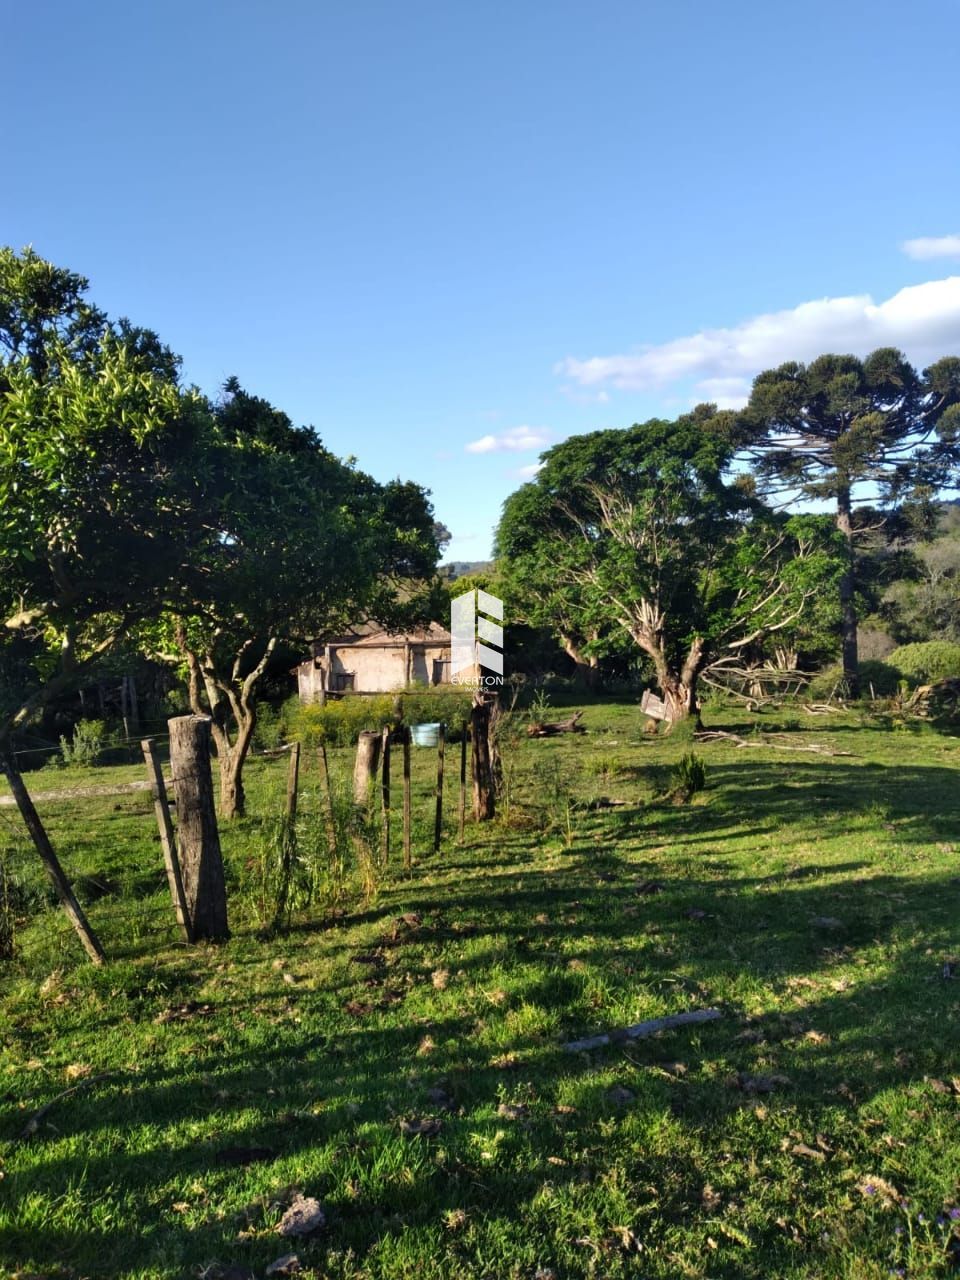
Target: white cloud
(528, 472)
(515, 439)
(926, 247)
(923, 320)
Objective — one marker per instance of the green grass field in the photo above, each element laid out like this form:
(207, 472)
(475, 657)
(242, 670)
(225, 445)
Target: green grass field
(812, 1131)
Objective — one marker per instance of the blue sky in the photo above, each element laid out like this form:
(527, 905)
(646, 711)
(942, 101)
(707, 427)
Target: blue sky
(425, 226)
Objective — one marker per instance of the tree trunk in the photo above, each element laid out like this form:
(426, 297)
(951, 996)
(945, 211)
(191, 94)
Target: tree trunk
(587, 669)
(848, 605)
(231, 757)
(680, 689)
(201, 861)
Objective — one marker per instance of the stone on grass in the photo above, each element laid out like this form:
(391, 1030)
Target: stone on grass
(302, 1218)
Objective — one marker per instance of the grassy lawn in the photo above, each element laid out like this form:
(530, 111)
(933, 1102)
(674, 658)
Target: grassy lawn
(812, 1131)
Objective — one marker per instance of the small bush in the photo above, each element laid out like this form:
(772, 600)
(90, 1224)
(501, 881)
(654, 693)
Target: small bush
(269, 731)
(927, 662)
(688, 777)
(86, 746)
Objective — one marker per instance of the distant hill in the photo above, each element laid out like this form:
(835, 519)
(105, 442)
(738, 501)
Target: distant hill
(460, 568)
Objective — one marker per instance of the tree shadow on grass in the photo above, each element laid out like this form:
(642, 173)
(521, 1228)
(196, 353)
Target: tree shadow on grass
(329, 1102)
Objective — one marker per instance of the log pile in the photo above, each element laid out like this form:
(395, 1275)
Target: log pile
(940, 699)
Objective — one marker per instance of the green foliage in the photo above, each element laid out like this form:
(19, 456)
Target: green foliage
(447, 704)
(926, 662)
(884, 678)
(341, 720)
(86, 746)
(825, 428)
(101, 478)
(689, 776)
(635, 539)
(846, 430)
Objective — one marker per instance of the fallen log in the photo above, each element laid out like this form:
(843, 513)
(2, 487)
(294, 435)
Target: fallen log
(640, 1029)
(541, 729)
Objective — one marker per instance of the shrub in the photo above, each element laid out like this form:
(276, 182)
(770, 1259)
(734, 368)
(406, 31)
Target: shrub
(339, 722)
(884, 677)
(929, 661)
(449, 704)
(86, 746)
(688, 777)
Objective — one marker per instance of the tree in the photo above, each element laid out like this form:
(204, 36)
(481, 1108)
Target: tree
(851, 432)
(45, 318)
(305, 544)
(638, 534)
(101, 500)
(536, 582)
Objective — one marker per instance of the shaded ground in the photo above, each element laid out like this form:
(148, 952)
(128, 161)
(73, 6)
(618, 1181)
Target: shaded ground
(814, 900)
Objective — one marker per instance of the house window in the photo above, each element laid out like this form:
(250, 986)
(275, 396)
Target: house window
(441, 671)
(342, 681)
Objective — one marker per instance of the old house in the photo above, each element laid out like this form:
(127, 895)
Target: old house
(371, 660)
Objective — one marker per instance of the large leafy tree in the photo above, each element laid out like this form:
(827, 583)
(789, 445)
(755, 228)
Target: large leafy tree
(46, 319)
(100, 499)
(853, 432)
(305, 544)
(541, 591)
(639, 535)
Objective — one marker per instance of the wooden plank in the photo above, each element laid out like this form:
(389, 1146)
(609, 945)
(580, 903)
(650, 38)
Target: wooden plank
(293, 782)
(438, 816)
(51, 864)
(653, 706)
(640, 1029)
(462, 799)
(385, 796)
(161, 807)
(329, 819)
(407, 815)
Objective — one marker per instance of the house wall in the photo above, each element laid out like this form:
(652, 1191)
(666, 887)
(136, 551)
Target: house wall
(376, 669)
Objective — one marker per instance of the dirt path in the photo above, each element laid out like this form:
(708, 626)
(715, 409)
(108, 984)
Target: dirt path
(82, 793)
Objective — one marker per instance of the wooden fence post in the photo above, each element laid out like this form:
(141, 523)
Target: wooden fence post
(365, 768)
(51, 864)
(438, 817)
(329, 819)
(201, 861)
(462, 799)
(293, 782)
(407, 858)
(483, 782)
(385, 796)
(161, 808)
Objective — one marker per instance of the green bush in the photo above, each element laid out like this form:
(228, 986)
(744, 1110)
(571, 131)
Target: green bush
(341, 721)
(884, 677)
(927, 662)
(86, 745)
(688, 777)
